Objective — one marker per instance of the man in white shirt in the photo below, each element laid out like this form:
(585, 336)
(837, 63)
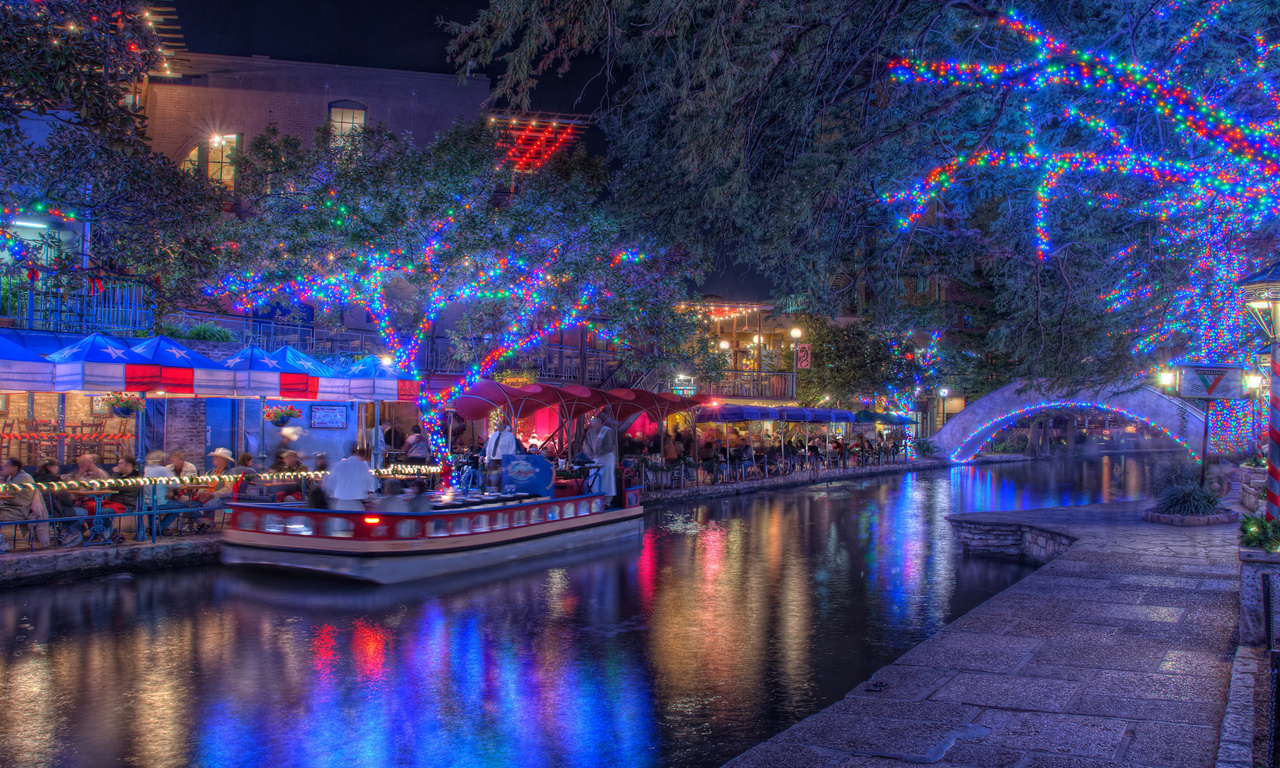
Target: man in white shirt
(604, 443)
(350, 482)
(500, 443)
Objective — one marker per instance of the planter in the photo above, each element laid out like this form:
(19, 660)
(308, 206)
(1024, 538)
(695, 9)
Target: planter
(1253, 563)
(122, 412)
(283, 421)
(1222, 518)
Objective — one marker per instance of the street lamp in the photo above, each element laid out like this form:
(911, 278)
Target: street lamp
(1253, 380)
(943, 394)
(1166, 379)
(1262, 297)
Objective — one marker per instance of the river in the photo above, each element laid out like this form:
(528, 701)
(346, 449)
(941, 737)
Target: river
(729, 621)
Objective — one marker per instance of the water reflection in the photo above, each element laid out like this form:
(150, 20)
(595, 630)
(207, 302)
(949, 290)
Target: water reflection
(728, 621)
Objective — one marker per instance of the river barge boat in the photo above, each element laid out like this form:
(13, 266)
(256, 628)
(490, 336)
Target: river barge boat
(461, 534)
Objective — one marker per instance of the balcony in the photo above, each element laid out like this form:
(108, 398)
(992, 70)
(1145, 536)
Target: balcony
(110, 305)
(553, 363)
(768, 385)
(273, 334)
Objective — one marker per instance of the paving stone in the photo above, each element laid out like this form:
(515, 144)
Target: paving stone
(975, 622)
(1083, 736)
(1191, 598)
(1141, 685)
(978, 756)
(1182, 582)
(1194, 663)
(1172, 744)
(1131, 596)
(881, 736)
(1223, 585)
(1064, 630)
(873, 705)
(773, 754)
(1032, 669)
(971, 651)
(1192, 637)
(1135, 612)
(1127, 708)
(1122, 653)
(1008, 691)
(904, 681)
(1057, 761)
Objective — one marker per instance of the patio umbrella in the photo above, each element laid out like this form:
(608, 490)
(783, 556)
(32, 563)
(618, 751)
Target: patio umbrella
(330, 385)
(184, 371)
(865, 416)
(259, 374)
(100, 363)
(22, 370)
(374, 379)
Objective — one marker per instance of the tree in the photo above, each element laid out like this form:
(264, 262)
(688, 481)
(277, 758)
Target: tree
(449, 239)
(850, 362)
(779, 131)
(73, 146)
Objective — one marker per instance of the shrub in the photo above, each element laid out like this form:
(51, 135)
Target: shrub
(1257, 532)
(172, 330)
(925, 447)
(209, 332)
(1174, 472)
(1187, 499)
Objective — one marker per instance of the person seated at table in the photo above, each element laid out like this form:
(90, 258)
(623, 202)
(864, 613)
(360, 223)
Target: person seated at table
(288, 462)
(248, 476)
(416, 446)
(125, 498)
(392, 500)
(48, 472)
(321, 462)
(179, 465)
(17, 505)
(160, 496)
(217, 493)
(421, 501)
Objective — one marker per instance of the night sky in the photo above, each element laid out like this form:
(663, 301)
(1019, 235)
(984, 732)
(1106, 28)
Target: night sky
(394, 34)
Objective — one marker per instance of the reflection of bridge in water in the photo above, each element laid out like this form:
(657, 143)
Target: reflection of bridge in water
(965, 433)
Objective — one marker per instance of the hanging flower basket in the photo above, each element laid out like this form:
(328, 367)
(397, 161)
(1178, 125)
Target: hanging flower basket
(280, 415)
(124, 404)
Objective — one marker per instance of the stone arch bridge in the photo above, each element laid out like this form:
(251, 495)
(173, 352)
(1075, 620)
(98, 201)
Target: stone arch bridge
(965, 433)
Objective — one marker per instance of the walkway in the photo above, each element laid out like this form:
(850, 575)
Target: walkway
(1117, 652)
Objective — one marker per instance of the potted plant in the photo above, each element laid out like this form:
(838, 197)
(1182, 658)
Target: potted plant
(125, 404)
(279, 415)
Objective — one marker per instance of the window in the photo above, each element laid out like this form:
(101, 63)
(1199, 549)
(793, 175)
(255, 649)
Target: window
(922, 283)
(345, 117)
(214, 157)
(339, 527)
(220, 168)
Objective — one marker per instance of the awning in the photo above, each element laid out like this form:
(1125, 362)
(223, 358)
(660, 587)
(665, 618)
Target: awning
(840, 416)
(865, 416)
(184, 371)
(372, 379)
(22, 370)
(792, 413)
(481, 398)
(100, 363)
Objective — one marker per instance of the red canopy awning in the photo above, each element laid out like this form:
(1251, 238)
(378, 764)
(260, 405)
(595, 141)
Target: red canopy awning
(480, 400)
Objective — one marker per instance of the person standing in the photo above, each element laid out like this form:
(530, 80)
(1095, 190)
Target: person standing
(350, 482)
(416, 446)
(500, 443)
(605, 450)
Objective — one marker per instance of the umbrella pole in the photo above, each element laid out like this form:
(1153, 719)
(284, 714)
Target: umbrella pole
(262, 431)
(140, 445)
(62, 429)
(696, 463)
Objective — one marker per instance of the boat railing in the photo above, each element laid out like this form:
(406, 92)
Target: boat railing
(289, 520)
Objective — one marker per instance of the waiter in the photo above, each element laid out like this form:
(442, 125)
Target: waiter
(500, 443)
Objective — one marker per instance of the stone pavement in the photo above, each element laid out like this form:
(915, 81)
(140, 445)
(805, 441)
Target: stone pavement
(1118, 652)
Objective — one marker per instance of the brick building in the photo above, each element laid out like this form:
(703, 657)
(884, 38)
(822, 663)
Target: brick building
(211, 103)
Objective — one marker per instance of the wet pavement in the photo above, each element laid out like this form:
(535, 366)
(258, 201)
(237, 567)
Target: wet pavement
(1117, 652)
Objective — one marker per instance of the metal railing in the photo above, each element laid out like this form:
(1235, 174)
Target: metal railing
(776, 385)
(273, 334)
(111, 305)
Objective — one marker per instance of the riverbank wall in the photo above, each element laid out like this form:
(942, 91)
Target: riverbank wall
(44, 565)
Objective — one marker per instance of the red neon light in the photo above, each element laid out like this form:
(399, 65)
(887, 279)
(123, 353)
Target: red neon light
(373, 520)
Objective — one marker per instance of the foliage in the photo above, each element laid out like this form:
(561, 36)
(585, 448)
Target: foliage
(1253, 462)
(1172, 473)
(449, 240)
(125, 400)
(209, 331)
(279, 412)
(773, 131)
(1187, 499)
(1015, 444)
(852, 361)
(72, 147)
(924, 447)
(1258, 532)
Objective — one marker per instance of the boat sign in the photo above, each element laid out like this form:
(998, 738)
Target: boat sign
(527, 473)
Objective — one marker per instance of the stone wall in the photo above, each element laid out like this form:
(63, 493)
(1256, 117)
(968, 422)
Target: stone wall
(1009, 541)
(46, 565)
(1254, 563)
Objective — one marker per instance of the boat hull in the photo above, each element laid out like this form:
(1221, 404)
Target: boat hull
(392, 562)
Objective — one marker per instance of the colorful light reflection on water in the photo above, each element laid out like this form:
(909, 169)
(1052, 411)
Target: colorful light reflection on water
(729, 620)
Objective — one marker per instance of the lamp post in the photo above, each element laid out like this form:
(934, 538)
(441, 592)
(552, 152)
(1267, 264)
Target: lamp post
(1262, 297)
(942, 393)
